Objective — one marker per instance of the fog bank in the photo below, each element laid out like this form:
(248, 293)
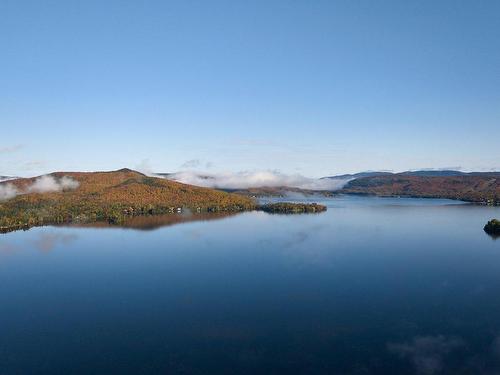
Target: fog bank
(43, 184)
(244, 180)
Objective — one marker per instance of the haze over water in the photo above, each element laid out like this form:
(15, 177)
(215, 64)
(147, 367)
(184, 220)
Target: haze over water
(372, 286)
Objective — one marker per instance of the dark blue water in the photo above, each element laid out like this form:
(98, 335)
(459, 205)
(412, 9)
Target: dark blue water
(372, 286)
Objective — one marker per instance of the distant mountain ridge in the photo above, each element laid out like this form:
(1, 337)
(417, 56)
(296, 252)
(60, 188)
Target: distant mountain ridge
(358, 175)
(433, 173)
(421, 173)
(472, 187)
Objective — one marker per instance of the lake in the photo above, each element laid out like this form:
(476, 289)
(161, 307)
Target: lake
(372, 286)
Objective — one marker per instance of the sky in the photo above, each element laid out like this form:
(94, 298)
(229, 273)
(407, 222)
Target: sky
(301, 87)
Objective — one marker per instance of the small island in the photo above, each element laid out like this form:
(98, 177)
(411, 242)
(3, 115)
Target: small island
(493, 227)
(292, 208)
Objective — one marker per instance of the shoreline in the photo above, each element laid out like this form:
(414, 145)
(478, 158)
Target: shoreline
(283, 208)
(481, 203)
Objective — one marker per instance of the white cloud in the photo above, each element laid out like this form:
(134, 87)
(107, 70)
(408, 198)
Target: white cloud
(7, 191)
(144, 167)
(48, 183)
(242, 180)
(67, 183)
(42, 184)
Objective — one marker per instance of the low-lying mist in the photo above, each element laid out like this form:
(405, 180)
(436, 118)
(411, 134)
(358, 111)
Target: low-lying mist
(43, 184)
(245, 180)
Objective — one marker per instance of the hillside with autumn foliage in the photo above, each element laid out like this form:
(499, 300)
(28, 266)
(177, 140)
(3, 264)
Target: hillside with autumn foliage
(476, 187)
(110, 196)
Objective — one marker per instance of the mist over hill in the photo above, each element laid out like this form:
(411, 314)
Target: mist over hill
(255, 179)
(110, 196)
(469, 186)
(447, 183)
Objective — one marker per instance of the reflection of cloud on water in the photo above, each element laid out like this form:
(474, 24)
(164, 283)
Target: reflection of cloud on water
(195, 234)
(305, 247)
(46, 242)
(301, 236)
(298, 238)
(427, 353)
(440, 354)
(495, 347)
(7, 248)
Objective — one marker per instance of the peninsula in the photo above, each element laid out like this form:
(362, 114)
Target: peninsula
(87, 197)
(477, 187)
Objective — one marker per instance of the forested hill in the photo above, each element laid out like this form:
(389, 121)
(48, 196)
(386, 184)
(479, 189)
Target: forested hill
(480, 187)
(91, 196)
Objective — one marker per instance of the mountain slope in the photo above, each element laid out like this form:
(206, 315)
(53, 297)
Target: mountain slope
(110, 196)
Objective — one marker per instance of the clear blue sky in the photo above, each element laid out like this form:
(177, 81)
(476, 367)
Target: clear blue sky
(310, 87)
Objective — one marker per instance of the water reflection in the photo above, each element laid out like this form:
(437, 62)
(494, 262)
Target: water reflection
(493, 236)
(428, 354)
(47, 241)
(155, 221)
(7, 247)
(371, 286)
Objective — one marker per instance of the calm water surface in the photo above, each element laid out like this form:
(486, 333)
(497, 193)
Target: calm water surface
(372, 286)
